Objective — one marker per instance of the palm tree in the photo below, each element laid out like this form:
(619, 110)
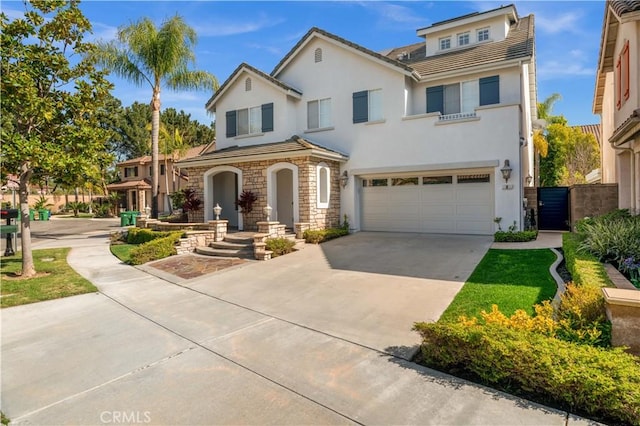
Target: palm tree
(540, 142)
(144, 54)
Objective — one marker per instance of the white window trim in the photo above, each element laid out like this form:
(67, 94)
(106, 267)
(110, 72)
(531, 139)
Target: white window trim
(327, 179)
(441, 39)
(466, 33)
(381, 107)
(488, 34)
(321, 126)
(249, 115)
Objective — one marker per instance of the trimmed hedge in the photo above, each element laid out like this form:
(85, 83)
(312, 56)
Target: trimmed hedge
(280, 246)
(322, 235)
(158, 248)
(515, 237)
(584, 267)
(600, 382)
(144, 235)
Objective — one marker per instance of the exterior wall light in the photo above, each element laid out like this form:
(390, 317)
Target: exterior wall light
(344, 179)
(217, 210)
(528, 179)
(506, 171)
(267, 212)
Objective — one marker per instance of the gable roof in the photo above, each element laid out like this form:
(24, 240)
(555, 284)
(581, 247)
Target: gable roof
(467, 16)
(292, 147)
(190, 153)
(317, 32)
(591, 129)
(251, 70)
(614, 13)
(519, 44)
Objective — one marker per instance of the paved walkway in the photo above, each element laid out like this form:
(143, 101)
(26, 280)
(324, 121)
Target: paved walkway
(146, 350)
(546, 239)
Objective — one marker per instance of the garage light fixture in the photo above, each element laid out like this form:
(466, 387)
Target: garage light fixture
(506, 171)
(344, 178)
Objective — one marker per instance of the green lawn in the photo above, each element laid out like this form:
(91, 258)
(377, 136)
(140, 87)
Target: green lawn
(511, 279)
(55, 279)
(122, 251)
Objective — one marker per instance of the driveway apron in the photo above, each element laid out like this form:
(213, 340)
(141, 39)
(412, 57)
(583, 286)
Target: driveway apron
(316, 337)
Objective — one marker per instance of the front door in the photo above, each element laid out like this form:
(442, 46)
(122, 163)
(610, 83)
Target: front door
(284, 197)
(553, 208)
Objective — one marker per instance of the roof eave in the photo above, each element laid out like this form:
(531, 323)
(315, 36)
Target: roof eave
(199, 162)
(477, 68)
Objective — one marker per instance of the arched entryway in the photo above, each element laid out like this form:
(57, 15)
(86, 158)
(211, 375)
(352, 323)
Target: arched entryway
(222, 185)
(282, 193)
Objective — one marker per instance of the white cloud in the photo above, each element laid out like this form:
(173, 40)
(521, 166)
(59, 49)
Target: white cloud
(564, 22)
(552, 69)
(226, 27)
(271, 49)
(392, 14)
(103, 32)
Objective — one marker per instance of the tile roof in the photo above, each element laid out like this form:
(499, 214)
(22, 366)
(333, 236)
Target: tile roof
(518, 44)
(255, 70)
(341, 40)
(458, 18)
(620, 7)
(593, 129)
(190, 153)
(130, 184)
(291, 146)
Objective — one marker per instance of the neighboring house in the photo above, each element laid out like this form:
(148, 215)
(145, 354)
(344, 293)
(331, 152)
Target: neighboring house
(617, 100)
(413, 139)
(135, 175)
(594, 129)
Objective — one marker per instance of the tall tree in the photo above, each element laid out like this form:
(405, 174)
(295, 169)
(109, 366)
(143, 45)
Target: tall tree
(48, 104)
(147, 55)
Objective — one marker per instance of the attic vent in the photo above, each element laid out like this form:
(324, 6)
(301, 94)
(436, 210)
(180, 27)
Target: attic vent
(318, 55)
(247, 85)
(403, 56)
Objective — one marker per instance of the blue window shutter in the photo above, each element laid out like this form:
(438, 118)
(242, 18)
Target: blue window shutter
(231, 124)
(490, 90)
(267, 117)
(435, 99)
(361, 107)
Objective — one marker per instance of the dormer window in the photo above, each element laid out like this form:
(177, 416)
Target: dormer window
(482, 34)
(445, 43)
(463, 39)
(318, 55)
(247, 85)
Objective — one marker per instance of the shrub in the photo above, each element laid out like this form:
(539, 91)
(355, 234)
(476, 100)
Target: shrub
(611, 238)
(101, 210)
(321, 235)
(156, 249)
(582, 316)
(280, 246)
(144, 235)
(599, 382)
(515, 237)
(246, 201)
(585, 268)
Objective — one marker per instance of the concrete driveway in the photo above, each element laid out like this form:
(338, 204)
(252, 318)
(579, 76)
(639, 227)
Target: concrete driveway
(302, 339)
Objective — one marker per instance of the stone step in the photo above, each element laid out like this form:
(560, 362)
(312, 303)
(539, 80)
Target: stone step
(231, 246)
(240, 238)
(209, 251)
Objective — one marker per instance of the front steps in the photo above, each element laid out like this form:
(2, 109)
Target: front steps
(237, 244)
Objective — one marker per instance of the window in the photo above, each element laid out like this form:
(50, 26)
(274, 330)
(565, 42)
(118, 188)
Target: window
(481, 178)
(367, 106)
(249, 121)
(445, 43)
(482, 34)
(162, 170)
(323, 185)
(622, 76)
(404, 181)
(130, 171)
(437, 180)
(463, 97)
(247, 84)
(317, 56)
(319, 114)
(463, 39)
(375, 182)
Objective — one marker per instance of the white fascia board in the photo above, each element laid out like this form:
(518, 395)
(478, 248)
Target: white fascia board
(471, 19)
(477, 69)
(463, 165)
(261, 157)
(211, 105)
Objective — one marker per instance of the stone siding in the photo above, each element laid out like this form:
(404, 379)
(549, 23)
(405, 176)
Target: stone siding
(592, 200)
(254, 179)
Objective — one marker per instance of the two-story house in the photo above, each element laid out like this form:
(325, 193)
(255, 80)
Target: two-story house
(136, 174)
(617, 100)
(418, 139)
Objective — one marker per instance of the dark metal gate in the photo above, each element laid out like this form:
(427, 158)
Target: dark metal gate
(553, 208)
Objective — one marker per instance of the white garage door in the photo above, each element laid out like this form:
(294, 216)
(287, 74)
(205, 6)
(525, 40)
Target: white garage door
(457, 203)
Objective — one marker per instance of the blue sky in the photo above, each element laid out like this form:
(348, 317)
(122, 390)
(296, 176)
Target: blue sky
(261, 33)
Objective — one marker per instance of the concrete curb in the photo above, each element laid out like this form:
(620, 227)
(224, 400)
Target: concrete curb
(554, 273)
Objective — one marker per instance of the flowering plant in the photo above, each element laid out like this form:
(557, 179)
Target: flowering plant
(631, 267)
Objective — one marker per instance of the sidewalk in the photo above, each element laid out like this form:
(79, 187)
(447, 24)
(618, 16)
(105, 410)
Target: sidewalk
(150, 351)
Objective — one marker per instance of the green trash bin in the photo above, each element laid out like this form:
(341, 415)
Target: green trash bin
(32, 214)
(124, 218)
(132, 218)
(43, 214)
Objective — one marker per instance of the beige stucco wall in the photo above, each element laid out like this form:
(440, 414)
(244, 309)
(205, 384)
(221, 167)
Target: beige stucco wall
(592, 200)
